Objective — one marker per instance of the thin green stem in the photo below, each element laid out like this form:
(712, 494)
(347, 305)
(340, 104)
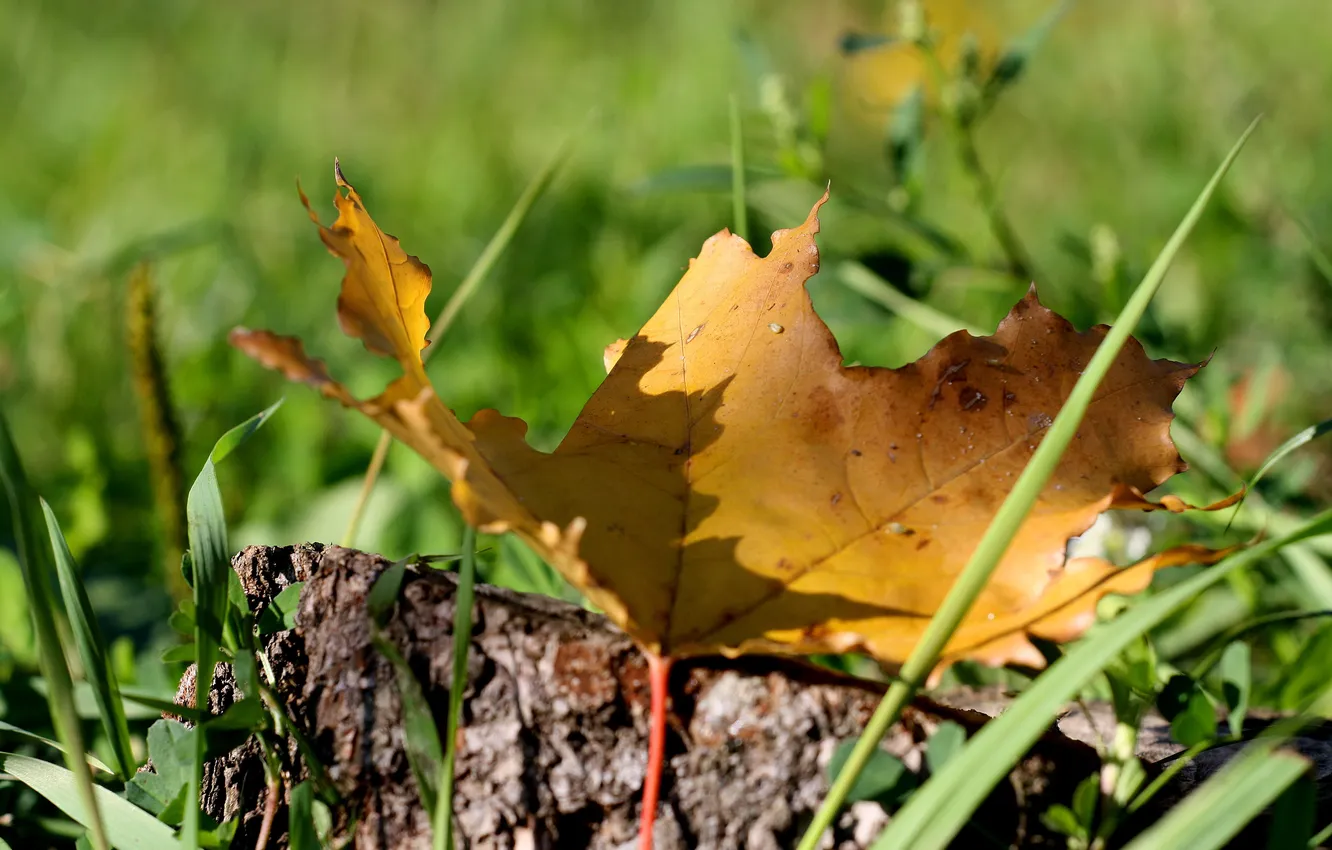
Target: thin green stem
(318, 773)
(964, 134)
(740, 211)
(1016, 256)
(1163, 779)
(442, 822)
(1010, 516)
(36, 563)
(1320, 838)
(859, 277)
(367, 487)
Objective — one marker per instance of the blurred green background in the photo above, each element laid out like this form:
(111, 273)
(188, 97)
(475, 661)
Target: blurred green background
(174, 134)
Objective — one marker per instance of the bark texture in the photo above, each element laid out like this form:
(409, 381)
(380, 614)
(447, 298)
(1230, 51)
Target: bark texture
(554, 738)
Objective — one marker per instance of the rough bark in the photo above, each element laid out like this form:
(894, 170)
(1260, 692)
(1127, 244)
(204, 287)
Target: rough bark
(553, 745)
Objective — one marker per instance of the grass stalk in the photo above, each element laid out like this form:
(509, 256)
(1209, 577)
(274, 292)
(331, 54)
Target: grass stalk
(1010, 515)
(462, 641)
(35, 558)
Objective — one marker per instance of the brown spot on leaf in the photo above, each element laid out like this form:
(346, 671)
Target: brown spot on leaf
(825, 416)
(972, 399)
(953, 373)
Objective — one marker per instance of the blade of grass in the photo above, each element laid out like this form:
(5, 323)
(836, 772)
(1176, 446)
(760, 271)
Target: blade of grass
(425, 756)
(1180, 761)
(1237, 793)
(302, 834)
(1304, 560)
(420, 737)
(92, 648)
(1320, 838)
(1212, 656)
(867, 283)
(739, 208)
(1313, 573)
(470, 284)
(1293, 816)
(35, 557)
(128, 826)
(211, 560)
(1218, 810)
(1307, 435)
(1320, 259)
(941, 807)
(462, 640)
(11, 729)
(1009, 517)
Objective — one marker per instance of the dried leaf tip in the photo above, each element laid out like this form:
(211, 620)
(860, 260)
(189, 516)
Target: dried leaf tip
(337, 174)
(818, 205)
(810, 226)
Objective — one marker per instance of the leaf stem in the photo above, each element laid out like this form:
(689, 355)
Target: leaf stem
(659, 674)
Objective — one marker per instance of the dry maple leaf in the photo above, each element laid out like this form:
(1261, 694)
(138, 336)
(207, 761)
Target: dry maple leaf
(732, 486)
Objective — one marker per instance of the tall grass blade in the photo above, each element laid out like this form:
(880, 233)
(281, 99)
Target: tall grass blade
(1213, 814)
(1313, 572)
(462, 641)
(1320, 258)
(858, 277)
(1293, 816)
(1307, 565)
(10, 730)
(302, 834)
(1218, 809)
(92, 648)
(1320, 838)
(470, 283)
(1006, 522)
(211, 560)
(420, 737)
(1306, 436)
(939, 809)
(126, 825)
(35, 560)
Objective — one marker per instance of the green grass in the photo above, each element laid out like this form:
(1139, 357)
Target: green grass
(174, 134)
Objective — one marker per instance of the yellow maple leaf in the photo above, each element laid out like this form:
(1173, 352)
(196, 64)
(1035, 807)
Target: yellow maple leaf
(732, 486)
